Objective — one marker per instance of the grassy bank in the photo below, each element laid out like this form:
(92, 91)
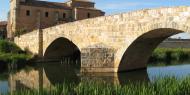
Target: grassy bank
(170, 54)
(12, 54)
(167, 86)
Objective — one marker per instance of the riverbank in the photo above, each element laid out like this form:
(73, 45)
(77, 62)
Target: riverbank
(11, 54)
(170, 54)
(166, 86)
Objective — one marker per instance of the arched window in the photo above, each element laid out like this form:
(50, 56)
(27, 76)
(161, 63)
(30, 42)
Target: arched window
(88, 15)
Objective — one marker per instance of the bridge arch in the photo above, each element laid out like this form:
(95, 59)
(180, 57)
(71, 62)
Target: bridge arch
(62, 48)
(138, 52)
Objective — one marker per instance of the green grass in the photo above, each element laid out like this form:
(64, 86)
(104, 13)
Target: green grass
(170, 54)
(166, 86)
(4, 76)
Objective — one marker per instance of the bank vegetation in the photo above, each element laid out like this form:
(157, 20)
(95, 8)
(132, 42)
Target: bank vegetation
(170, 54)
(10, 53)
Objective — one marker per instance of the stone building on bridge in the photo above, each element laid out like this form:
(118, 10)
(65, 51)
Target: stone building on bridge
(27, 15)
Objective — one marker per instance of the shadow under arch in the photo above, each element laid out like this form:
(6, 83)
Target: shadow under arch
(137, 54)
(62, 61)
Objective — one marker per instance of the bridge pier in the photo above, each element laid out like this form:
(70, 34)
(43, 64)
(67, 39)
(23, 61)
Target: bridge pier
(97, 59)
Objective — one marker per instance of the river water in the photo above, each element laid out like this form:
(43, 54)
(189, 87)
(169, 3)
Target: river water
(49, 74)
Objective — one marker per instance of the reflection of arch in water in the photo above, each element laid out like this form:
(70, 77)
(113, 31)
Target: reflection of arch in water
(137, 54)
(117, 78)
(58, 73)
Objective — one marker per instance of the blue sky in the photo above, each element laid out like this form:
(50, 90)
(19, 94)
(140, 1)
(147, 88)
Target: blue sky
(114, 6)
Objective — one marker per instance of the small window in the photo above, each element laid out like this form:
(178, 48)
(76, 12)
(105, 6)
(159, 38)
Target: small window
(46, 14)
(88, 15)
(27, 13)
(64, 15)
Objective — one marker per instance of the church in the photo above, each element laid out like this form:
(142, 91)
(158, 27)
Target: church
(28, 15)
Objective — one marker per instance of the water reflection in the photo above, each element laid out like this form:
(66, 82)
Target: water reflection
(135, 76)
(47, 75)
(3, 86)
(50, 74)
(177, 71)
(58, 73)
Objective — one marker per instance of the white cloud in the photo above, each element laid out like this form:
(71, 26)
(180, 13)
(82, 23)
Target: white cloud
(182, 35)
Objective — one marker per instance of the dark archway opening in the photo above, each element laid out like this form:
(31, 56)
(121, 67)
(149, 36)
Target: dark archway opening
(137, 54)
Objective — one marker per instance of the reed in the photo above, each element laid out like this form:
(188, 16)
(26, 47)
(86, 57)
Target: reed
(165, 86)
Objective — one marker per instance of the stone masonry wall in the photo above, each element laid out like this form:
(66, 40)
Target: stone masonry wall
(29, 42)
(97, 57)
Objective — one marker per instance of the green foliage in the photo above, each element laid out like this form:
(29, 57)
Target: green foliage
(11, 53)
(168, 54)
(3, 76)
(14, 58)
(9, 47)
(165, 86)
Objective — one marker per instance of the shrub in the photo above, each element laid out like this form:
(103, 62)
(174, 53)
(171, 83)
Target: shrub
(170, 54)
(12, 55)
(9, 47)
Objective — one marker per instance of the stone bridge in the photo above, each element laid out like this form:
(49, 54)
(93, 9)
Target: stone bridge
(112, 43)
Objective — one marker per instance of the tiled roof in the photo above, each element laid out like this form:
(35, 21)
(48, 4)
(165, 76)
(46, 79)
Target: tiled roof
(91, 9)
(88, 8)
(37, 3)
(3, 23)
